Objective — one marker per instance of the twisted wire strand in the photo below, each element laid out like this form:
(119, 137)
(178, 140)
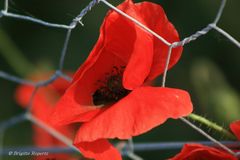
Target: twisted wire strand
(194, 36)
(85, 11)
(204, 30)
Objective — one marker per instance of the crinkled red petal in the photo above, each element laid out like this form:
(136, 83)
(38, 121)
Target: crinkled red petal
(143, 109)
(156, 19)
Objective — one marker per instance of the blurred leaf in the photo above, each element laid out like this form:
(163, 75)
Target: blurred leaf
(13, 55)
(214, 93)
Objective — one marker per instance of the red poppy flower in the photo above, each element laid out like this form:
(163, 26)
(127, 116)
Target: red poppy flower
(199, 152)
(42, 107)
(110, 91)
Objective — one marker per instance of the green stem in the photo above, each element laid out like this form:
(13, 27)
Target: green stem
(13, 56)
(212, 125)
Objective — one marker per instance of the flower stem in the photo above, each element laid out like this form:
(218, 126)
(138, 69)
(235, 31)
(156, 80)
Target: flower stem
(212, 125)
(13, 56)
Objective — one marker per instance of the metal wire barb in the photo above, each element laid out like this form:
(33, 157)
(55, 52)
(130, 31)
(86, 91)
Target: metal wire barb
(78, 19)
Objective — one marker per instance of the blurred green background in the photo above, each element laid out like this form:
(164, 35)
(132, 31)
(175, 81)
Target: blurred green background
(209, 67)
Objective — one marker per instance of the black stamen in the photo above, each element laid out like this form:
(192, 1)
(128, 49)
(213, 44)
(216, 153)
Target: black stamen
(111, 90)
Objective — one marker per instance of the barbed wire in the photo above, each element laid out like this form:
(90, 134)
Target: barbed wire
(132, 147)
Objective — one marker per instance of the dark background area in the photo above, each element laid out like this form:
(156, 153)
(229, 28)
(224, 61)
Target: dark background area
(209, 67)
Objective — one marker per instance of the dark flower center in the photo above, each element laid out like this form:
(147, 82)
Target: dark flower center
(111, 89)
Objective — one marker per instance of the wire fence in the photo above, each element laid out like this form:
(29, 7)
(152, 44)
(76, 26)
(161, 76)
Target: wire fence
(28, 116)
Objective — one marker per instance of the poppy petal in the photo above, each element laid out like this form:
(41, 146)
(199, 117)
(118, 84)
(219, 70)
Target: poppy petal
(43, 101)
(128, 42)
(99, 150)
(148, 53)
(78, 100)
(199, 152)
(119, 39)
(235, 127)
(161, 25)
(60, 85)
(78, 97)
(46, 95)
(141, 49)
(76, 105)
(131, 43)
(67, 112)
(142, 57)
(143, 109)
(23, 94)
